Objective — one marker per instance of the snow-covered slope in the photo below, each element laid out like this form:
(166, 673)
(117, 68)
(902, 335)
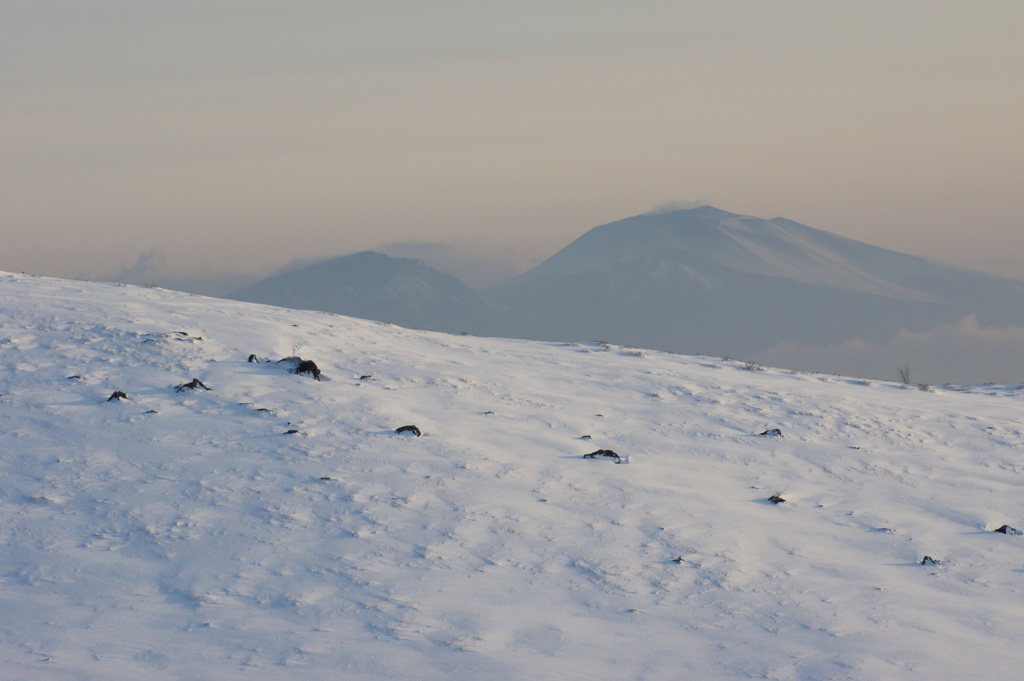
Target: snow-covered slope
(186, 535)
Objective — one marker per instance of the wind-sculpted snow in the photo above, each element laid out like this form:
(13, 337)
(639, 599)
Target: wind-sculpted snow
(277, 527)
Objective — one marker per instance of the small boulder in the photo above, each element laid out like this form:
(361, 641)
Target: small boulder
(308, 366)
(117, 395)
(409, 429)
(772, 432)
(776, 499)
(604, 453)
(297, 365)
(194, 384)
(1006, 529)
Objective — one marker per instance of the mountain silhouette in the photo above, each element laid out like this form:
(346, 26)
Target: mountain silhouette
(704, 280)
(370, 285)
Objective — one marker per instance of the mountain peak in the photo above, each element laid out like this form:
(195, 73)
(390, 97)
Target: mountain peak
(703, 211)
(710, 236)
(372, 285)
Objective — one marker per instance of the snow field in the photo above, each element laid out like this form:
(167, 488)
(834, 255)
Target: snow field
(185, 535)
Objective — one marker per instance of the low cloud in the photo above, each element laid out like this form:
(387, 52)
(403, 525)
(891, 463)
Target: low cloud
(672, 206)
(151, 268)
(963, 353)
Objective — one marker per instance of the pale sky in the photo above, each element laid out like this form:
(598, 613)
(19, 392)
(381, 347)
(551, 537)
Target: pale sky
(240, 134)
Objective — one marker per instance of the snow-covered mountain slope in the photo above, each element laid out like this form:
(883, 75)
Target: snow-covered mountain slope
(187, 535)
(778, 248)
(706, 280)
(756, 246)
(374, 286)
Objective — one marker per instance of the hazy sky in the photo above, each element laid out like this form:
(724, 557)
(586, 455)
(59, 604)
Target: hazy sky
(244, 133)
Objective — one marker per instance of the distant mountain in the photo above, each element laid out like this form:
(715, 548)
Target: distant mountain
(707, 281)
(374, 286)
(697, 281)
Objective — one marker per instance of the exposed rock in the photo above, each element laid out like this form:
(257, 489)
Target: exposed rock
(606, 453)
(191, 385)
(302, 366)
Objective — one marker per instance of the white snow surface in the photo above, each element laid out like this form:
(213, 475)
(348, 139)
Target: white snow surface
(184, 535)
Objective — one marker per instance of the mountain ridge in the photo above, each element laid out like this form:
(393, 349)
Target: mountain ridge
(776, 247)
(695, 281)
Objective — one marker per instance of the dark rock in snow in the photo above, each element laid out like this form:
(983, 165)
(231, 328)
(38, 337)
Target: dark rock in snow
(605, 453)
(308, 367)
(191, 385)
(291, 432)
(117, 395)
(772, 432)
(1006, 529)
(776, 499)
(302, 366)
(409, 429)
(254, 358)
(928, 560)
